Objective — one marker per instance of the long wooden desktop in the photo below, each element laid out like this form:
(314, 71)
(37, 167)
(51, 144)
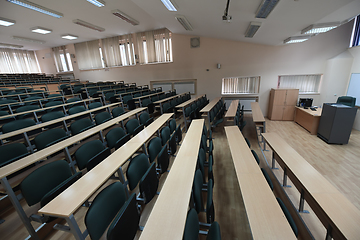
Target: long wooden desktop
(260, 123)
(185, 104)
(308, 118)
(338, 215)
(266, 219)
(208, 108)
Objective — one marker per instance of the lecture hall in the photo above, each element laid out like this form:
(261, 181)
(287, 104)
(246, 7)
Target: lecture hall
(174, 119)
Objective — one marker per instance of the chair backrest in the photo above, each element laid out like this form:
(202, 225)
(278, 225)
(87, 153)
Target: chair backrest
(27, 108)
(52, 115)
(144, 117)
(104, 208)
(126, 222)
(154, 147)
(288, 216)
(255, 156)
(71, 100)
(131, 104)
(102, 117)
(145, 102)
(201, 162)
(151, 107)
(346, 100)
(44, 179)
(132, 126)
(210, 211)
(49, 137)
(126, 98)
(197, 187)
(80, 125)
(137, 95)
(191, 230)
(136, 170)
(172, 144)
(268, 179)
(113, 136)
(94, 105)
(165, 135)
(12, 152)
(53, 103)
(117, 111)
(166, 107)
(76, 109)
(17, 124)
(163, 159)
(148, 184)
(178, 134)
(172, 125)
(98, 158)
(87, 151)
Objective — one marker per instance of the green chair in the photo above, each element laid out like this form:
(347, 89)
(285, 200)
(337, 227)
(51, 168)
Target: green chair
(154, 147)
(198, 200)
(268, 179)
(31, 100)
(104, 209)
(192, 228)
(102, 117)
(178, 132)
(145, 102)
(11, 152)
(113, 136)
(80, 126)
(201, 164)
(73, 100)
(172, 145)
(133, 127)
(55, 105)
(86, 152)
(76, 109)
(5, 120)
(49, 137)
(256, 156)
(95, 105)
(52, 116)
(145, 119)
(208, 148)
(117, 111)
(131, 104)
(172, 125)
(165, 135)
(126, 98)
(288, 216)
(26, 108)
(45, 183)
(54, 97)
(19, 124)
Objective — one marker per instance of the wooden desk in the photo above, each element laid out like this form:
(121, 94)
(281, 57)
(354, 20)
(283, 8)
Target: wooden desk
(73, 197)
(42, 154)
(187, 103)
(168, 216)
(208, 108)
(231, 112)
(337, 213)
(259, 120)
(308, 119)
(266, 219)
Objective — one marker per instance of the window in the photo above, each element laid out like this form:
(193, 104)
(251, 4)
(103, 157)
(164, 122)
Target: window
(240, 85)
(18, 61)
(305, 83)
(62, 59)
(355, 36)
(118, 51)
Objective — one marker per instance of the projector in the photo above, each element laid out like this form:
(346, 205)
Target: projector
(226, 18)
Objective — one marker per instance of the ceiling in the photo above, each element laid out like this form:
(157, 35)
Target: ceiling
(288, 19)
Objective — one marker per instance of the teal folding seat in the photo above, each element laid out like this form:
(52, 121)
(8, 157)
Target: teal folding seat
(54, 104)
(145, 119)
(114, 136)
(52, 116)
(32, 100)
(76, 109)
(165, 135)
(80, 126)
(26, 108)
(49, 137)
(192, 228)
(133, 127)
(255, 156)
(268, 179)
(95, 105)
(154, 147)
(18, 124)
(288, 216)
(12, 152)
(172, 125)
(54, 97)
(86, 152)
(102, 117)
(117, 111)
(198, 200)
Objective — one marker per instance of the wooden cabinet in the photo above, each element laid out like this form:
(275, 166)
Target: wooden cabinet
(282, 104)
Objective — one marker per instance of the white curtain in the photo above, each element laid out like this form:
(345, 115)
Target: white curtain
(235, 85)
(305, 83)
(118, 51)
(18, 61)
(88, 55)
(127, 42)
(57, 51)
(154, 46)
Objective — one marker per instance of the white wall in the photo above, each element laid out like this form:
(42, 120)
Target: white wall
(355, 68)
(238, 59)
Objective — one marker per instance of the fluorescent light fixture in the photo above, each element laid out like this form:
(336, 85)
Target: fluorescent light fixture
(98, 3)
(6, 22)
(69, 37)
(266, 8)
(88, 25)
(10, 45)
(41, 30)
(170, 5)
(184, 22)
(125, 17)
(320, 28)
(28, 40)
(252, 29)
(36, 7)
(297, 39)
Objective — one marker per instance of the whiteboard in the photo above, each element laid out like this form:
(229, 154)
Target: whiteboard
(354, 87)
(183, 87)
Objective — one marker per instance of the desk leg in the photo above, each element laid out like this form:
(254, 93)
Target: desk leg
(273, 161)
(328, 233)
(285, 179)
(301, 204)
(28, 142)
(71, 162)
(15, 202)
(262, 138)
(161, 109)
(74, 228)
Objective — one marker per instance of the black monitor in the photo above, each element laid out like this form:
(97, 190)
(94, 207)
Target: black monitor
(305, 102)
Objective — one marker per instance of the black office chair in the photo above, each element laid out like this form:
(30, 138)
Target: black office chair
(346, 100)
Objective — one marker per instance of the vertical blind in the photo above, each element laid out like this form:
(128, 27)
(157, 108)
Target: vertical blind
(235, 85)
(18, 61)
(57, 52)
(305, 83)
(88, 55)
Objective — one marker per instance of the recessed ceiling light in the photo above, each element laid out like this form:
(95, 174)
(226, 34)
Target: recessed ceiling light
(252, 29)
(10, 45)
(41, 30)
(36, 7)
(297, 39)
(265, 8)
(69, 37)
(125, 17)
(98, 3)
(88, 25)
(28, 40)
(6, 22)
(170, 5)
(184, 22)
(320, 28)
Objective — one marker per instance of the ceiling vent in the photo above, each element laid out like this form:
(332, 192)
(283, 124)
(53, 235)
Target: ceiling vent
(184, 22)
(252, 29)
(125, 17)
(266, 8)
(88, 25)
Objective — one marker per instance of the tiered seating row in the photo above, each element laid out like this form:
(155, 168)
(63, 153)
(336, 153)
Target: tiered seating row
(191, 108)
(215, 111)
